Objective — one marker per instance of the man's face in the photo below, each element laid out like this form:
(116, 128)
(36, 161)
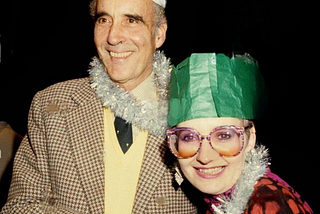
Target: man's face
(125, 39)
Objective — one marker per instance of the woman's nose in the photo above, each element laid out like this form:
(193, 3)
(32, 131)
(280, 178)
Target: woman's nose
(206, 153)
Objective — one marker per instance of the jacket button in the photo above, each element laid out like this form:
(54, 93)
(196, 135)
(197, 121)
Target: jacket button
(161, 201)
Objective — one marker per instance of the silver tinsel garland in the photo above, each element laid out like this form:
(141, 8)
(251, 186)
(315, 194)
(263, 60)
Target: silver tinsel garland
(147, 115)
(255, 167)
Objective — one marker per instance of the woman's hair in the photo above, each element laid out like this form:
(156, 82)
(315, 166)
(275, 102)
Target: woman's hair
(158, 11)
(248, 124)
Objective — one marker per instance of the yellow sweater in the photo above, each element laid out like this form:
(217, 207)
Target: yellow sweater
(122, 170)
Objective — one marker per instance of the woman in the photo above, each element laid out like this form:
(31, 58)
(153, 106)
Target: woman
(213, 102)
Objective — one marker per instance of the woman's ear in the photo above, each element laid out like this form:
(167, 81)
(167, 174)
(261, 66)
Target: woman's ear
(252, 138)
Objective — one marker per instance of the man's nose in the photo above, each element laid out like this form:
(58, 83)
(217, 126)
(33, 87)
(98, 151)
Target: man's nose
(116, 34)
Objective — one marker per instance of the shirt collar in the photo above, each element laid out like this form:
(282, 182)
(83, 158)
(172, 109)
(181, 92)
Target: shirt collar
(146, 90)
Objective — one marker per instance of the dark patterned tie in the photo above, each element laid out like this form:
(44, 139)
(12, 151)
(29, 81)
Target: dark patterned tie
(124, 133)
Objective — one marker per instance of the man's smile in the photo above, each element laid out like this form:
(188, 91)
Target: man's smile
(120, 55)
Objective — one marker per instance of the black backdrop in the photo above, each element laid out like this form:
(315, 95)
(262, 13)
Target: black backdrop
(46, 42)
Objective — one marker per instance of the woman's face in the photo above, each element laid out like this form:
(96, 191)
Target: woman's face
(207, 170)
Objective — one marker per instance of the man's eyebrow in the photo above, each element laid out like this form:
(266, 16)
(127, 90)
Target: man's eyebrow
(135, 17)
(131, 16)
(98, 15)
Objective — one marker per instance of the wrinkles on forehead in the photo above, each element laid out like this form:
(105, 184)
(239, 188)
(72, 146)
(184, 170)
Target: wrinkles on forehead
(138, 9)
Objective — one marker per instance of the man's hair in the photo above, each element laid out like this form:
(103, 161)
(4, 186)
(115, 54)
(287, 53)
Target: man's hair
(158, 11)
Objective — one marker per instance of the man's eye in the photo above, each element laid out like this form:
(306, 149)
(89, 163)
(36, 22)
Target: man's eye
(102, 20)
(132, 21)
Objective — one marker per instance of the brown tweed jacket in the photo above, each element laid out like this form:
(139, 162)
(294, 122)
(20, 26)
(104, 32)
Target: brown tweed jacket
(59, 165)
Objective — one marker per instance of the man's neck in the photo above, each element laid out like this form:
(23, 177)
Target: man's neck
(146, 90)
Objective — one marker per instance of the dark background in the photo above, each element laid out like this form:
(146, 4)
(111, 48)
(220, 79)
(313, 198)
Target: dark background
(47, 42)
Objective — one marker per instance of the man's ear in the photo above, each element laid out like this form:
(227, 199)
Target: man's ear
(252, 138)
(161, 34)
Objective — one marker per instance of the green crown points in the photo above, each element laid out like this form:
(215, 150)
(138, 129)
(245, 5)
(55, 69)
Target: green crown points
(215, 85)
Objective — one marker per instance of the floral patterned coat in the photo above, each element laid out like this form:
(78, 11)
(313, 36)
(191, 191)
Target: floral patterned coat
(272, 195)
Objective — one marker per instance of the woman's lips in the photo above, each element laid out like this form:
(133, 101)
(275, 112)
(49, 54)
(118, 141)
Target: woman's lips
(209, 173)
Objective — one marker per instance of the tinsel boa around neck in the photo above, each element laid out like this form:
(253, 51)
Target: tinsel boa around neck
(255, 167)
(147, 115)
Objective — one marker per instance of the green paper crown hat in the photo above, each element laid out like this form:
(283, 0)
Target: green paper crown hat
(214, 85)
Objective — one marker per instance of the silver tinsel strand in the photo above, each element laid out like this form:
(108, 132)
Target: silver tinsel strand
(150, 116)
(255, 167)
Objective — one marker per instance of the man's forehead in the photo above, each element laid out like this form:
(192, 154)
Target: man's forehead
(162, 3)
(138, 7)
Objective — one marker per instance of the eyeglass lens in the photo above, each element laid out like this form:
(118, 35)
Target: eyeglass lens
(186, 142)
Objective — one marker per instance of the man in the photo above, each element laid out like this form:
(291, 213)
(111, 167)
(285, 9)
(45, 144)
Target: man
(71, 160)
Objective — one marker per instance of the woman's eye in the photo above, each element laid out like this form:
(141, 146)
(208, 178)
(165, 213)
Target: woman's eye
(188, 138)
(224, 136)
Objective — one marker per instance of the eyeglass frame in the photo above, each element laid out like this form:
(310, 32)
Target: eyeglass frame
(239, 130)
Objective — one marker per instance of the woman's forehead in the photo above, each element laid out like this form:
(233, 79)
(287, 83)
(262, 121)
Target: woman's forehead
(211, 122)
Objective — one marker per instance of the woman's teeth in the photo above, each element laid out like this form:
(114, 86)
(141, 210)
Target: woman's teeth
(211, 171)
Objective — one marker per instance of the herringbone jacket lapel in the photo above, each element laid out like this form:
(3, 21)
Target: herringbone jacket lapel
(85, 126)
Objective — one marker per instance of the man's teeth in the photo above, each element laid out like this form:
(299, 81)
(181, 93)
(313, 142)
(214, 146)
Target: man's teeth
(211, 171)
(120, 55)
